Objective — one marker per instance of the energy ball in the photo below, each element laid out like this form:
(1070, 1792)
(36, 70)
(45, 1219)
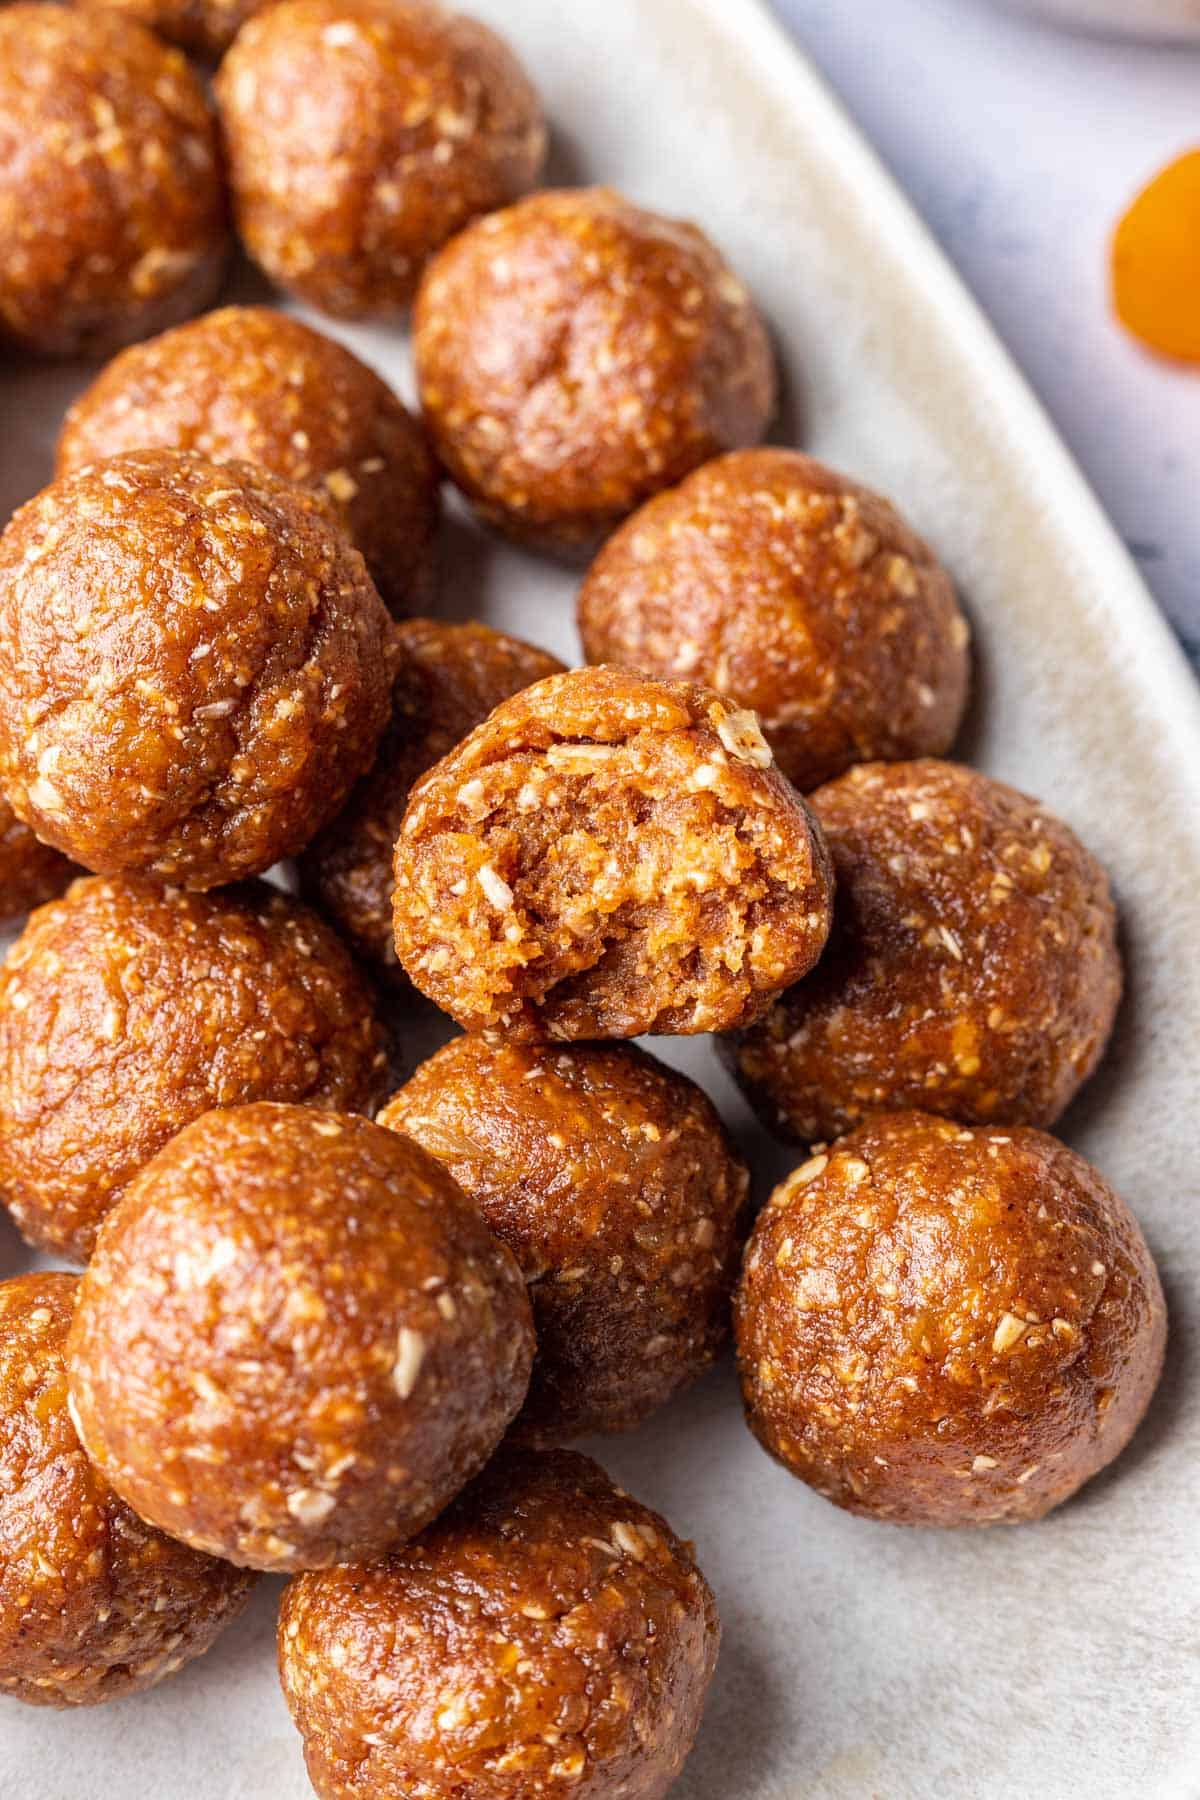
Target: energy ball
(194, 667)
(29, 872)
(973, 968)
(128, 1009)
(451, 677)
(361, 134)
(615, 1185)
(605, 856)
(112, 201)
(576, 354)
(548, 1639)
(796, 593)
(205, 28)
(947, 1325)
(94, 1604)
(296, 1340)
(253, 385)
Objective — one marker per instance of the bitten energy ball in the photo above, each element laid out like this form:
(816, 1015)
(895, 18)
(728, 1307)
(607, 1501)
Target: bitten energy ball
(112, 205)
(608, 856)
(194, 667)
(451, 677)
(29, 872)
(796, 593)
(206, 28)
(973, 968)
(93, 1603)
(254, 385)
(128, 1009)
(548, 1639)
(576, 354)
(361, 134)
(941, 1325)
(296, 1339)
(615, 1185)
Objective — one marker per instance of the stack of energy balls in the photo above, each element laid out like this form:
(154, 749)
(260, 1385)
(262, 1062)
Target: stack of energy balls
(346, 1340)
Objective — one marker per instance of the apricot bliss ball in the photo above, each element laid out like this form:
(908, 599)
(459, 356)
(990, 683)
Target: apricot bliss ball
(128, 1009)
(797, 593)
(615, 1185)
(451, 677)
(112, 203)
(194, 667)
(947, 1325)
(251, 384)
(94, 1603)
(296, 1339)
(605, 856)
(548, 1639)
(29, 872)
(973, 968)
(576, 354)
(361, 134)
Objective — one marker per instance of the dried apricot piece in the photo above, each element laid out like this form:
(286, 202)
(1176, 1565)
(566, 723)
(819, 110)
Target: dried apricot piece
(1156, 262)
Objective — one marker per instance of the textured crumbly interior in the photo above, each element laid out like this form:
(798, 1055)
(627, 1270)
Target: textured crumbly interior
(664, 881)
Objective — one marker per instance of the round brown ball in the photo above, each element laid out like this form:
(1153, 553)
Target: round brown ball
(794, 592)
(93, 1603)
(296, 1340)
(194, 667)
(973, 968)
(253, 385)
(205, 28)
(29, 872)
(361, 134)
(605, 856)
(128, 1009)
(112, 202)
(947, 1325)
(616, 1187)
(576, 354)
(451, 677)
(548, 1639)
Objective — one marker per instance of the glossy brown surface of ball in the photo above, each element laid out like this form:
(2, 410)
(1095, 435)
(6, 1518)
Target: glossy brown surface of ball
(29, 872)
(361, 134)
(296, 1340)
(194, 667)
(615, 1185)
(112, 203)
(973, 968)
(128, 1009)
(548, 1638)
(94, 1604)
(796, 593)
(205, 28)
(251, 384)
(942, 1325)
(451, 677)
(576, 354)
(609, 855)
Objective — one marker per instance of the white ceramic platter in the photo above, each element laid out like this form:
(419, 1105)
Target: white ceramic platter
(859, 1660)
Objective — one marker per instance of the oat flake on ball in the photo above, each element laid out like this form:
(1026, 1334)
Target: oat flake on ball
(605, 856)
(549, 1638)
(296, 1339)
(947, 1325)
(94, 1603)
(576, 353)
(112, 201)
(194, 667)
